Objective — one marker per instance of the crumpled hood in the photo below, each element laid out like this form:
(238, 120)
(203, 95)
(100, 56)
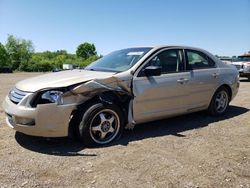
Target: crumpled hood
(60, 79)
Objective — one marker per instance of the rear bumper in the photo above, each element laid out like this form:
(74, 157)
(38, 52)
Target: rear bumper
(235, 85)
(47, 120)
(235, 89)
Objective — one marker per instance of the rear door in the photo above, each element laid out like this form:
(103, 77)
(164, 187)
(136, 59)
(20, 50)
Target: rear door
(161, 96)
(203, 81)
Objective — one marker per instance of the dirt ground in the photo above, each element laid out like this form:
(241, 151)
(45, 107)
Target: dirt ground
(194, 150)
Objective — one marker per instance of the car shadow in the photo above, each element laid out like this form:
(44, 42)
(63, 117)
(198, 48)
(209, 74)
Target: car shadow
(175, 126)
(51, 146)
(244, 80)
(172, 126)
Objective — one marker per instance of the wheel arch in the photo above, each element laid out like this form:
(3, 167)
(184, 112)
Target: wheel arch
(107, 97)
(229, 89)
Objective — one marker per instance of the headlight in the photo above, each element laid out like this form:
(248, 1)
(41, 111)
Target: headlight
(53, 96)
(246, 66)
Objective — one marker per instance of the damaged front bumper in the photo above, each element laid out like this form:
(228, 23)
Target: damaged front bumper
(52, 119)
(46, 120)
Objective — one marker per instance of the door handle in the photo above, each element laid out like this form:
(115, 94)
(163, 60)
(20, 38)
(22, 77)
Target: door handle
(215, 75)
(182, 80)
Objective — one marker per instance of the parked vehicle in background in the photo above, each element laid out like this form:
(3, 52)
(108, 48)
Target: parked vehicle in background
(126, 87)
(5, 70)
(56, 70)
(242, 63)
(226, 60)
(68, 66)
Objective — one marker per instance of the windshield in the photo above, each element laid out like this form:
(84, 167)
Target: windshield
(243, 58)
(119, 61)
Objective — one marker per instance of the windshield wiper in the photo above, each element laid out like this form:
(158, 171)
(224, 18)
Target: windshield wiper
(90, 69)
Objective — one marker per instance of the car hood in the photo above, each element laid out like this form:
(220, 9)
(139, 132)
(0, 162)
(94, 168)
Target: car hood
(60, 79)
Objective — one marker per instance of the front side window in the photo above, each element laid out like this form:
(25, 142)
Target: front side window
(198, 60)
(169, 60)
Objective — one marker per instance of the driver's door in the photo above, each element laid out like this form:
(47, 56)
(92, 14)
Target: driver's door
(157, 97)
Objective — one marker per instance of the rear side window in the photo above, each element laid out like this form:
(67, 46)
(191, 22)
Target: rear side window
(198, 60)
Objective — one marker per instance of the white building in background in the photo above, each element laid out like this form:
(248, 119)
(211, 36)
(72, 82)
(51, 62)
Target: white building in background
(67, 66)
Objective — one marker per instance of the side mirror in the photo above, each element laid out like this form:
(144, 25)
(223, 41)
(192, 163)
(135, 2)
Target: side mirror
(152, 71)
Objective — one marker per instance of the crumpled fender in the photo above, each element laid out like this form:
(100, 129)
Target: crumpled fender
(102, 87)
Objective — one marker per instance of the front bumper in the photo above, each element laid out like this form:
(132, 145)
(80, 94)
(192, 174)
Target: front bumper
(46, 120)
(244, 74)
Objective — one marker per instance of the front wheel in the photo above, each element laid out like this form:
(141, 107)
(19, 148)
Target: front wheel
(220, 101)
(101, 124)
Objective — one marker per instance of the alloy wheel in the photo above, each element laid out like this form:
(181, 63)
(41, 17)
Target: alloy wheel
(104, 126)
(221, 101)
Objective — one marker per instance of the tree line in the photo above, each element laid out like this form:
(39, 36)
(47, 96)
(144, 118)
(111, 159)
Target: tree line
(19, 55)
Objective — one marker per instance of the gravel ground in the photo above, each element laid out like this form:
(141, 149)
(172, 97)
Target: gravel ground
(194, 150)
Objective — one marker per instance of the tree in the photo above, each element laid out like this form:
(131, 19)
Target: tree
(19, 51)
(4, 57)
(86, 50)
(61, 52)
(19, 54)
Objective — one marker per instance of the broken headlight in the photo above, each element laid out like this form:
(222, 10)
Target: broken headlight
(48, 96)
(53, 96)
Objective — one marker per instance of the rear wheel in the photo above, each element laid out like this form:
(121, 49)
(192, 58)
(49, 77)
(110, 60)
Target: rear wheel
(101, 124)
(220, 102)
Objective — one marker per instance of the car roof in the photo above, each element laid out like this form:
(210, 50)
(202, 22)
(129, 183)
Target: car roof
(156, 47)
(177, 46)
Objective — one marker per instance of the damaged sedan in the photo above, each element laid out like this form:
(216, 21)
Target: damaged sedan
(122, 89)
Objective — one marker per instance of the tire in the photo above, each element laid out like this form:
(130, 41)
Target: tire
(101, 124)
(220, 102)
